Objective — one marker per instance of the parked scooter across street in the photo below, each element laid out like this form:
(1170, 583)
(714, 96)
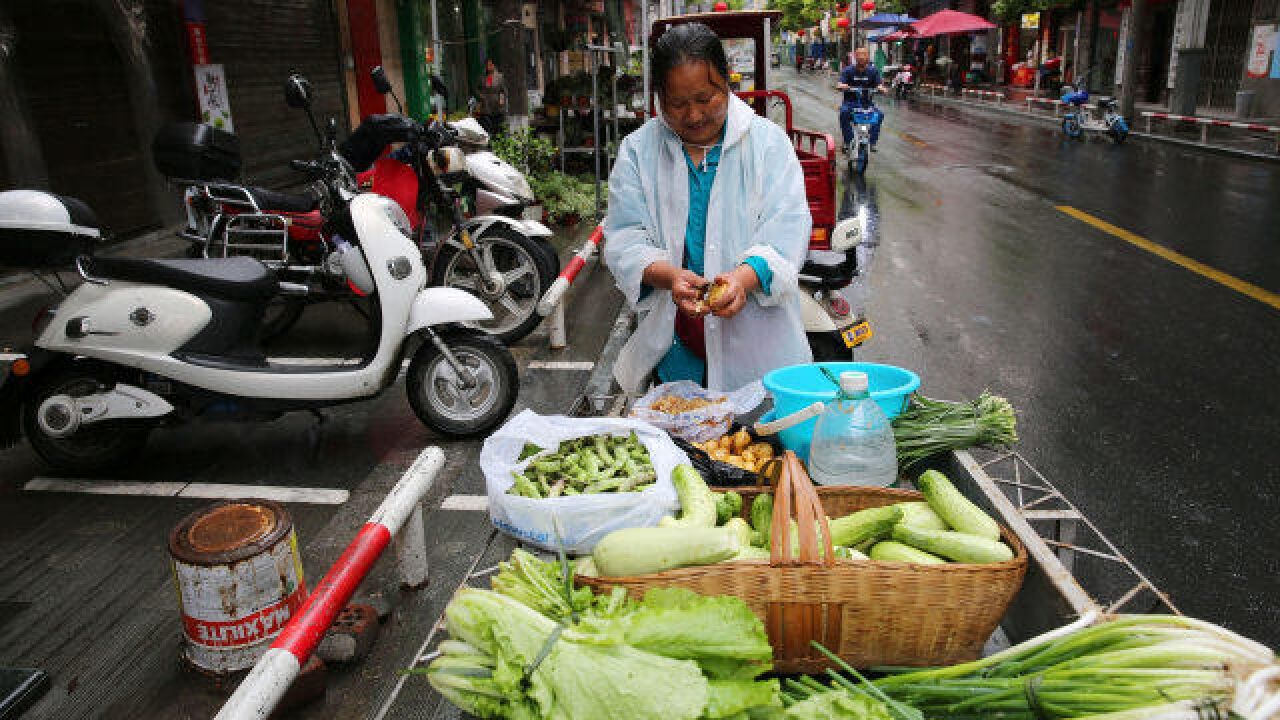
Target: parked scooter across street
(1078, 116)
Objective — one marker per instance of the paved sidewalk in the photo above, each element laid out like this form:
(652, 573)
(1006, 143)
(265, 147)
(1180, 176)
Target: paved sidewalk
(1243, 144)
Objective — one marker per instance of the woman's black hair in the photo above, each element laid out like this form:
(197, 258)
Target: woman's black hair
(685, 43)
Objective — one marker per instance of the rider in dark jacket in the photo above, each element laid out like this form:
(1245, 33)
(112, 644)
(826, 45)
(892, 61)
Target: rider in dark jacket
(865, 75)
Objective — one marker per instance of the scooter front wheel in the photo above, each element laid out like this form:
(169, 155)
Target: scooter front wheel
(458, 406)
(91, 449)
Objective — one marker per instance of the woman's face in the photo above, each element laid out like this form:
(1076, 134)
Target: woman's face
(695, 101)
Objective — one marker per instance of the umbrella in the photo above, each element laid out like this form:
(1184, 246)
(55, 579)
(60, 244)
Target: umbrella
(950, 22)
(885, 20)
(895, 35)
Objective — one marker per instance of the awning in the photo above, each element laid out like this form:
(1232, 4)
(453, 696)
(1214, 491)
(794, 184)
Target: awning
(951, 22)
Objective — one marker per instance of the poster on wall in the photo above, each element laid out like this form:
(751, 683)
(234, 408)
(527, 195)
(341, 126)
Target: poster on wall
(1264, 41)
(215, 103)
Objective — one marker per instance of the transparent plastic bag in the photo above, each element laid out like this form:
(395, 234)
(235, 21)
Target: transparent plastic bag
(705, 423)
(579, 521)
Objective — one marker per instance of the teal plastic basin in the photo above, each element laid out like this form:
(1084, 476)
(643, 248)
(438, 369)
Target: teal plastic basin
(798, 386)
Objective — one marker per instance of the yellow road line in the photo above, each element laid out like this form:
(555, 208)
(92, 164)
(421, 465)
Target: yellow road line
(911, 138)
(1195, 266)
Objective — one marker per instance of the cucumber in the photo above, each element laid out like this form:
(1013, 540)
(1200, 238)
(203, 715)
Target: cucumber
(919, 515)
(640, 551)
(697, 502)
(864, 525)
(956, 509)
(894, 551)
(958, 546)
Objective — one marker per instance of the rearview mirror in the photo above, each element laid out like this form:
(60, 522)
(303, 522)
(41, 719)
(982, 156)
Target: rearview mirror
(380, 81)
(297, 91)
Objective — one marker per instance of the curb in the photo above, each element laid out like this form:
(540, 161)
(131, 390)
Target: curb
(1147, 137)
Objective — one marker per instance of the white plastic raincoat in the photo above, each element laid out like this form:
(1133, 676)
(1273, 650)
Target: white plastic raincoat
(757, 207)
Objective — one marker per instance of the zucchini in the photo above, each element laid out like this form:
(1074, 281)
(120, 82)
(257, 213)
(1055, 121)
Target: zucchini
(919, 515)
(848, 553)
(864, 525)
(750, 552)
(640, 551)
(894, 551)
(585, 566)
(741, 529)
(956, 509)
(958, 546)
(697, 502)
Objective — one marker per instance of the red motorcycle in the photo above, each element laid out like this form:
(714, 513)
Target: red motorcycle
(495, 257)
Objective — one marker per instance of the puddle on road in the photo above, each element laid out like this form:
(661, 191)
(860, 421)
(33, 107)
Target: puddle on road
(985, 167)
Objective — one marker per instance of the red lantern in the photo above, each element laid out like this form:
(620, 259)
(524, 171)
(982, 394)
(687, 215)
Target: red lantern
(721, 7)
(842, 23)
(800, 33)
(868, 6)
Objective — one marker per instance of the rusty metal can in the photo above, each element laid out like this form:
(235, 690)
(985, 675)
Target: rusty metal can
(239, 580)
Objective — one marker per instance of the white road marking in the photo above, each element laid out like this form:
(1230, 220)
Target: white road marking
(208, 491)
(561, 365)
(475, 503)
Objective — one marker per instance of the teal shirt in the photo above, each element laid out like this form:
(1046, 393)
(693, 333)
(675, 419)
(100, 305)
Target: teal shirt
(680, 363)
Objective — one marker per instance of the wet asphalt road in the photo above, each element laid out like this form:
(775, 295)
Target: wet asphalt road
(1148, 394)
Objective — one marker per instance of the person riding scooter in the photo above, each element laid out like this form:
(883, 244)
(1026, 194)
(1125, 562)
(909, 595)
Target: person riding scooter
(861, 74)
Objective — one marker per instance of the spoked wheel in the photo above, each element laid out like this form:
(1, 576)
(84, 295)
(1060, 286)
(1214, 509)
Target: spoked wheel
(523, 272)
(442, 399)
(91, 449)
(1071, 126)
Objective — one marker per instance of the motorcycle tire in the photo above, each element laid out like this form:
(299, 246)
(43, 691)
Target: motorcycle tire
(451, 410)
(1071, 127)
(539, 267)
(829, 347)
(93, 449)
(860, 162)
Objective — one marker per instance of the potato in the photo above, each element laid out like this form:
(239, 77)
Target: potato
(717, 294)
(741, 440)
(718, 454)
(761, 450)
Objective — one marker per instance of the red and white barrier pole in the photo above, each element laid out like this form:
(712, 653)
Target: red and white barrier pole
(271, 677)
(556, 292)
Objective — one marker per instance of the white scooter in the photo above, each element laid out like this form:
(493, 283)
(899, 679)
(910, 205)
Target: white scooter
(148, 342)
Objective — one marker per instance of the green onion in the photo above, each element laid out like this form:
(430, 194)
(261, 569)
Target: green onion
(928, 427)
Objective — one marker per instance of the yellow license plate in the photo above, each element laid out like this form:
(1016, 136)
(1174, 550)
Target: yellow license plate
(855, 335)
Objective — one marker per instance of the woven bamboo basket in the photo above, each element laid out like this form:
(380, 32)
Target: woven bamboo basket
(866, 612)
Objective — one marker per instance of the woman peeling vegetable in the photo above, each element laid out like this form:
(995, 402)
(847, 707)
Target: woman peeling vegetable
(707, 190)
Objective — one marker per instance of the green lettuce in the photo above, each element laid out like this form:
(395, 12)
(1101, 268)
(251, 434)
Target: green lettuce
(721, 633)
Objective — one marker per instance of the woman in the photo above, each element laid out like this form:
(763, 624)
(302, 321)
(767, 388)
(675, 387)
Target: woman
(706, 192)
(493, 99)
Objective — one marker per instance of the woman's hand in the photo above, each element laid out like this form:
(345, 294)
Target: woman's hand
(685, 285)
(737, 283)
(686, 291)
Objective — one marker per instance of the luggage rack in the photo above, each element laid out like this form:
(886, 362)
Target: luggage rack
(251, 233)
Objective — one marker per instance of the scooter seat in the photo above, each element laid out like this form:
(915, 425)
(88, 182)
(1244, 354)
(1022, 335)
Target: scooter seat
(1106, 100)
(270, 200)
(236, 278)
